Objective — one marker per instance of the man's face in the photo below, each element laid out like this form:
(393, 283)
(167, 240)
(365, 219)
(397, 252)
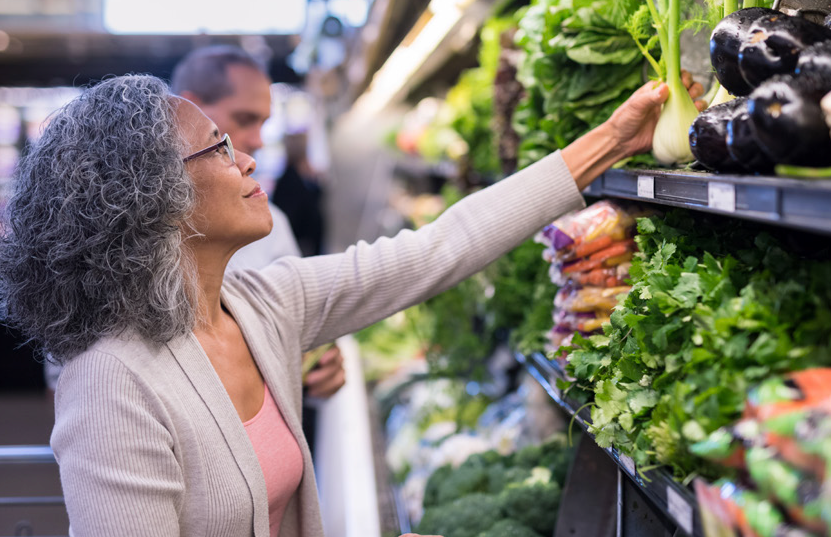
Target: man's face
(242, 113)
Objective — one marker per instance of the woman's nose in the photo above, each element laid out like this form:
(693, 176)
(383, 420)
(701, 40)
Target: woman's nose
(246, 163)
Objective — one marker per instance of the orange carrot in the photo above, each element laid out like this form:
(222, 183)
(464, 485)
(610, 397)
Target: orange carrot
(587, 248)
(581, 266)
(616, 249)
(613, 281)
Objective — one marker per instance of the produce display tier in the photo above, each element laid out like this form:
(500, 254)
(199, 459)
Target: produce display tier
(796, 203)
(674, 500)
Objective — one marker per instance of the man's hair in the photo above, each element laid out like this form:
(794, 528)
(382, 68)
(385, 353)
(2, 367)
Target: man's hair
(92, 242)
(204, 71)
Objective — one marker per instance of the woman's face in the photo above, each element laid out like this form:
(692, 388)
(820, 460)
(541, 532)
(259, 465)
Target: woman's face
(231, 209)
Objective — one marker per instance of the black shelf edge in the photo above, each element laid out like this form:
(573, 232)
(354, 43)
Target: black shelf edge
(803, 204)
(675, 501)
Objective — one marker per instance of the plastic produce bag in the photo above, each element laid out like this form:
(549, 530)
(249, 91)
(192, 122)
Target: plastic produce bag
(582, 246)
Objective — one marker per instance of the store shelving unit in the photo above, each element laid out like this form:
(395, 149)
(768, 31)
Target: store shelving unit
(670, 498)
(787, 202)
(795, 203)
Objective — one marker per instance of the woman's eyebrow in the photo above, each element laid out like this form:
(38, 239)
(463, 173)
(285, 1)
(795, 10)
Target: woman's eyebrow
(213, 136)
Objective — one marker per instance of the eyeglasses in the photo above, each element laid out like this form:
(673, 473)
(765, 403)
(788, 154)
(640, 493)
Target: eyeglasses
(225, 142)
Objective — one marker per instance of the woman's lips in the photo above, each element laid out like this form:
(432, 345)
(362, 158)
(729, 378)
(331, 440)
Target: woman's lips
(255, 192)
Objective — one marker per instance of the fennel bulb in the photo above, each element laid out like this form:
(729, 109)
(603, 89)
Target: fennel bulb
(671, 142)
(722, 96)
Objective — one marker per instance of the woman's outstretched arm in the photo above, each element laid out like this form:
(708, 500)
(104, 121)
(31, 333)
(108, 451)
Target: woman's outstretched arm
(328, 296)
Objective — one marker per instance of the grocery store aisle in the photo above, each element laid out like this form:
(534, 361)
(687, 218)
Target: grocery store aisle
(357, 203)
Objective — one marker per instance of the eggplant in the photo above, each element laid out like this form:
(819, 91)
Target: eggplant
(815, 59)
(773, 45)
(788, 122)
(725, 42)
(742, 144)
(708, 136)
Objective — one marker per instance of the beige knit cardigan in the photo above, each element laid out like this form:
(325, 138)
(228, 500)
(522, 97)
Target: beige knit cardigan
(148, 441)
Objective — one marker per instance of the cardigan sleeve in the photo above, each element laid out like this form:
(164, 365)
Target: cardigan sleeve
(119, 473)
(329, 296)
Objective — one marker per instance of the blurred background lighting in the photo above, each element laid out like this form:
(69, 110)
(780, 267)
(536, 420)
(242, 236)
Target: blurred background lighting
(205, 16)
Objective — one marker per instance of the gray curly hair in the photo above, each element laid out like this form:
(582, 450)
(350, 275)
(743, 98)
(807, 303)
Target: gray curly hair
(94, 230)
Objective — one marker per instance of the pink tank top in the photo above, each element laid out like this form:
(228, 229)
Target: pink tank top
(279, 456)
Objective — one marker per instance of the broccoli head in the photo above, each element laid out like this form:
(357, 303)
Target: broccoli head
(500, 477)
(434, 482)
(509, 528)
(528, 457)
(464, 480)
(556, 456)
(484, 459)
(558, 461)
(534, 502)
(465, 517)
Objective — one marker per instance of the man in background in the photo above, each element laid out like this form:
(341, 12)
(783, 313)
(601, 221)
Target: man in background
(234, 91)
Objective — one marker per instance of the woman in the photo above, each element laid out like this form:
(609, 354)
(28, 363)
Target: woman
(178, 411)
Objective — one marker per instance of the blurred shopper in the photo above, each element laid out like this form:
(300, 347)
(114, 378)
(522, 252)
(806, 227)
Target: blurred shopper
(234, 91)
(122, 220)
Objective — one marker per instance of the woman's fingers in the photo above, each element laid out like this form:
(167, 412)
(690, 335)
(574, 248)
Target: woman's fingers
(686, 78)
(328, 376)
(696, 90)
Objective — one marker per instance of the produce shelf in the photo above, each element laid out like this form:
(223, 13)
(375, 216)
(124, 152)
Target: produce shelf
(796, 203)
(669, 497)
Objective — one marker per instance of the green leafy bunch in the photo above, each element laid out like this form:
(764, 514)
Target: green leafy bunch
(705, 320)
(580, 64)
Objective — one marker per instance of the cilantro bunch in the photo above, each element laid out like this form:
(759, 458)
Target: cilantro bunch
(713, 310)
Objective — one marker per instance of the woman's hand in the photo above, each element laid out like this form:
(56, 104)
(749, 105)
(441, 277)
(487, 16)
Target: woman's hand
(328, 376)
(634, 121)
(628, 132)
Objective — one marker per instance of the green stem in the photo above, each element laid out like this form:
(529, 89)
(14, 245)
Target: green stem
(655, 65)
(673, 52)
(732, 5)
(661, 29)
(750, 3)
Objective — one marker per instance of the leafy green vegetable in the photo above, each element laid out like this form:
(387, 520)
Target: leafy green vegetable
(580, 64)
(709, 315)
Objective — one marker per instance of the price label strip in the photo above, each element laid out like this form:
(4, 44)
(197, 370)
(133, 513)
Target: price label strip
(680, 510)
(721, 196)
(628, 464)
(646, 187)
